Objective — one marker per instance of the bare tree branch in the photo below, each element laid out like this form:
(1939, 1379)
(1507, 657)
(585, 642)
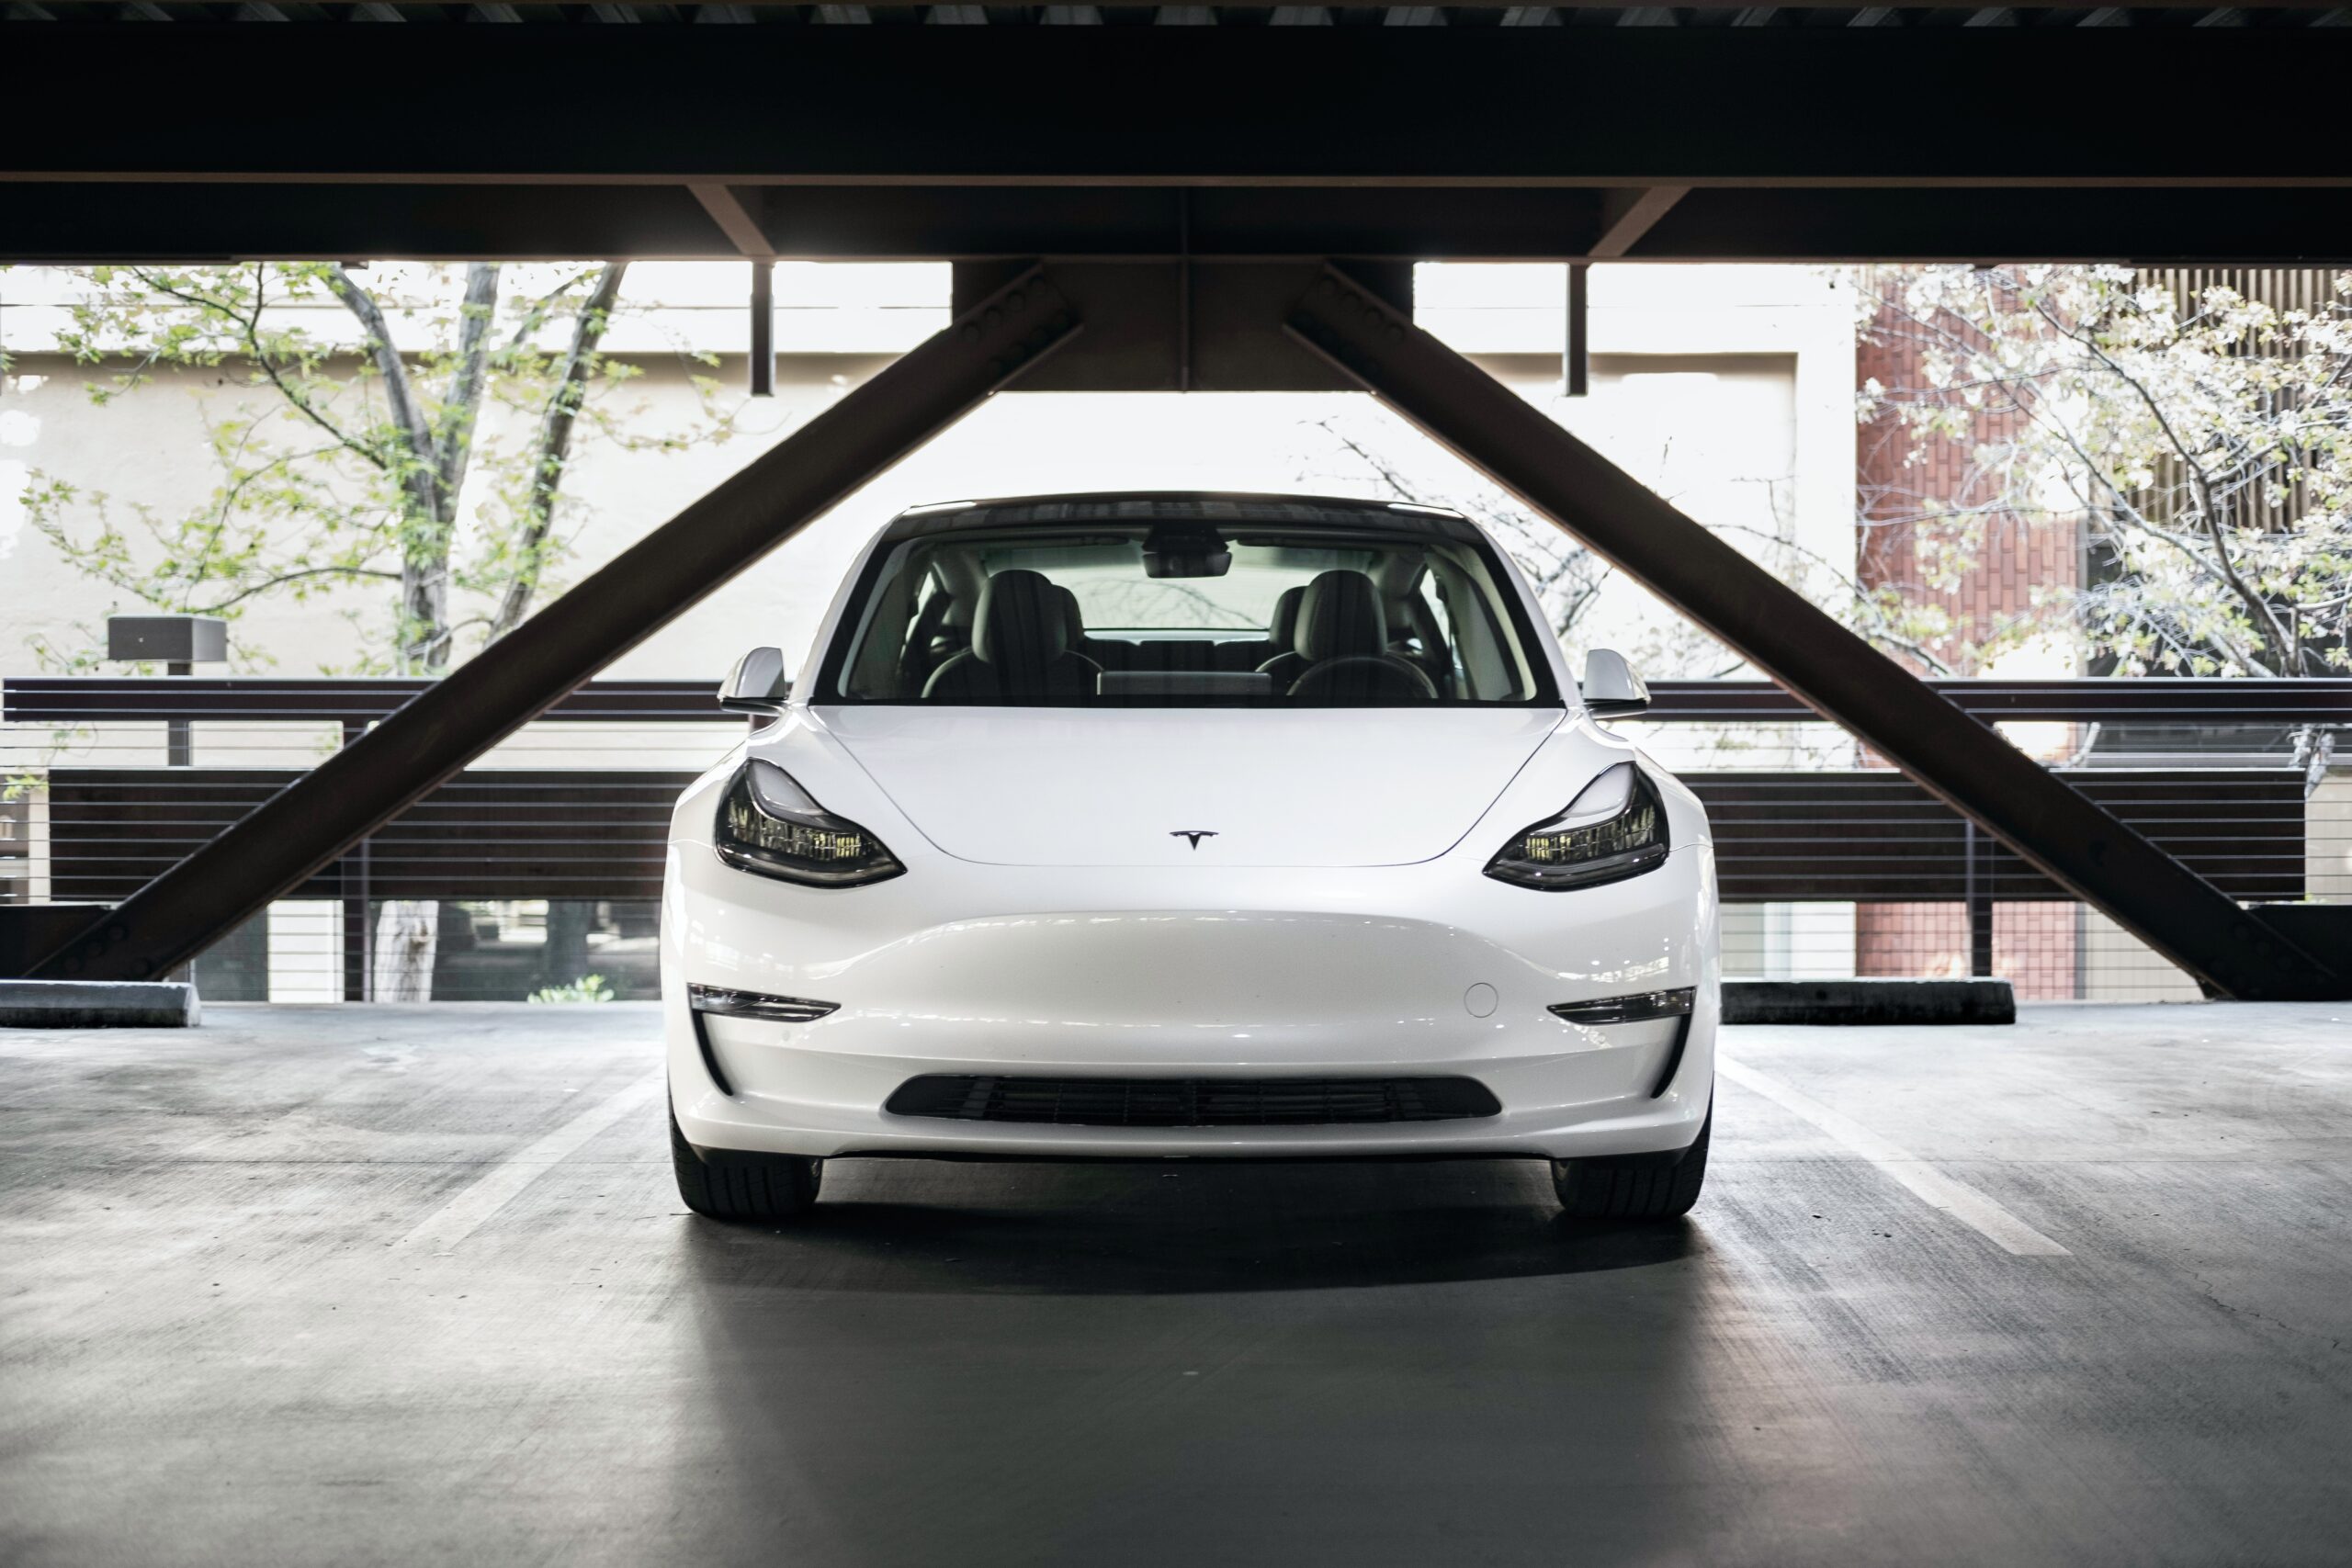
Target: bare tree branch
(553, 451)
(461, 404)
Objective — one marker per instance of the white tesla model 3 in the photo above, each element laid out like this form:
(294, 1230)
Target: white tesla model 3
(1188, 825)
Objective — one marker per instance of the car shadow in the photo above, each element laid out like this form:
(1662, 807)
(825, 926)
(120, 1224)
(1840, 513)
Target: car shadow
(1139, 1364)
(1135, 1228)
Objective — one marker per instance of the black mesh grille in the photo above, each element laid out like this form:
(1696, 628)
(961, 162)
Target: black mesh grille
(1193, 1102)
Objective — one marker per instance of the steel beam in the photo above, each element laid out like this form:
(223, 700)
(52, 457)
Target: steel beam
(1060, 105)
(647, 586)
(192, 222)
(762, 328)
(2081, 846)
(726, 205)
(1576, 365)
(1627, 215)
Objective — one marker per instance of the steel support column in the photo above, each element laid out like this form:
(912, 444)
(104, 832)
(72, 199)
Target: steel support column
(647, 586)
(1967, 764)
(762, 328)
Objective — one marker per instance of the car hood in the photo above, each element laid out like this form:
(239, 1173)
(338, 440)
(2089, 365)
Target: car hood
(1332, 787)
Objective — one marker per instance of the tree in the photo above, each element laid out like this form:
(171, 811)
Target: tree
(335, 473)
(344, 465)
(2201, 441)
(1567, 578)
(1572, 583)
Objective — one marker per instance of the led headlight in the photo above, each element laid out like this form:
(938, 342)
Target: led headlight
(769, 825)
(1615, 829)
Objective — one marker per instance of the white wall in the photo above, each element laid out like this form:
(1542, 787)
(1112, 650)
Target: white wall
(1731, 387)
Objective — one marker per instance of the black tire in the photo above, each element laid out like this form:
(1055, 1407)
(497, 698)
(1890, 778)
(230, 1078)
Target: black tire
(727, 1184)
(1635, 1187)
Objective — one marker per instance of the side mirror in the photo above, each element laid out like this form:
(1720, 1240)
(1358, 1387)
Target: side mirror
(1611, 687)
(758, 683)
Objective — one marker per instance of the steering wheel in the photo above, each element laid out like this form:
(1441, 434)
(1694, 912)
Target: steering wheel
(1395, 666)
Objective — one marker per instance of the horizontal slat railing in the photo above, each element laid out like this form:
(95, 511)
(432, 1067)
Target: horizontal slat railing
(503, 834)
(1877, 836)
(1779, 836)
(2180, 700)
(86, 699)
(91, 699)
(2228, 775)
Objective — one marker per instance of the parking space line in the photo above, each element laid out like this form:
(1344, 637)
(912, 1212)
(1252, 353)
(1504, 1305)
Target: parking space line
(463, 1215)
(1931, 1185)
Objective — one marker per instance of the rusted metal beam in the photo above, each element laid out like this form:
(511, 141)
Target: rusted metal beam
(2082, 847)
(480, 702)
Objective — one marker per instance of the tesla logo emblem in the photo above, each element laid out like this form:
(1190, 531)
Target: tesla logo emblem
(1193, 835)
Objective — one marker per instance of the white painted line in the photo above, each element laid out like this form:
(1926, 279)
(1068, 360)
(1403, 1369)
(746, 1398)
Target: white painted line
(465, 1214)
(1931, 1185)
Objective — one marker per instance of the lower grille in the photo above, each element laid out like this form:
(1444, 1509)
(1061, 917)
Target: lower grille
(1193, 1102)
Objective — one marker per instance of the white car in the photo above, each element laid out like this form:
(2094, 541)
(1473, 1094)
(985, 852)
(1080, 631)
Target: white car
(1181, 827)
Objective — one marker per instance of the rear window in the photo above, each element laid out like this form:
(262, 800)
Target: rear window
(1184, 615)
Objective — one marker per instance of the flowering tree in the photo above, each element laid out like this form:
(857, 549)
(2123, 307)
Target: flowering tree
(349, 464)
(1567, 577)
(2203, 442)
(339, 469)
(1575, 585)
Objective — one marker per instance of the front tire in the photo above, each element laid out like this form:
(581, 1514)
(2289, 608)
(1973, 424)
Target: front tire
(1634, 1187)
(729, 1184)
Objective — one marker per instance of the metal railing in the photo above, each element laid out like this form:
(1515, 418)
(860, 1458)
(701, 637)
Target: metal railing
(545, 858)
(1852, 869)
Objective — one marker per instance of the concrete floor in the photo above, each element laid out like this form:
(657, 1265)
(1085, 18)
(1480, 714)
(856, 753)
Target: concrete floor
(281, 1291)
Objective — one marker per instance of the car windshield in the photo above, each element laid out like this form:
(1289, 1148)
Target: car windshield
(1185, 615)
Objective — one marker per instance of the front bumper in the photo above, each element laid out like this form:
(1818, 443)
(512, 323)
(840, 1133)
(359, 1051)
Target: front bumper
(1271, 973)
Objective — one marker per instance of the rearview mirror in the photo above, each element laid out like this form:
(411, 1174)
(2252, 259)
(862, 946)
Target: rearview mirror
(758, 683)
(1611, 687)
(1170, 552)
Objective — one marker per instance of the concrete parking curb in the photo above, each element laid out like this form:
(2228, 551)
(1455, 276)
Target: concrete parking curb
(97, 1004)
(1870, 1001)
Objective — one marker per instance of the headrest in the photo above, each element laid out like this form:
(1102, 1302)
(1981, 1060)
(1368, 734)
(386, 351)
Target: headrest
(1073, 623)
(1021, 623)
(1341, 616)
(1283, 630)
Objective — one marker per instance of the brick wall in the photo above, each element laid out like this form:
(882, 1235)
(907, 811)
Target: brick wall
(2033, 944)
(2015, 557)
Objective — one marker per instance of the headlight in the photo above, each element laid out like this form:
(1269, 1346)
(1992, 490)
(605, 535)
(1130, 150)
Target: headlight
(769, 825)
(1613, 830)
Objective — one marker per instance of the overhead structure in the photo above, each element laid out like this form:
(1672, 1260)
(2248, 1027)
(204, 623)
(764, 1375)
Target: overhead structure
(1184, 186)
(1229, 325)
(1566, 132)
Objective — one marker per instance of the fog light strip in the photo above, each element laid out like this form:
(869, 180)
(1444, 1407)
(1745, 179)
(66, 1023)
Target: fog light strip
(1627, 1009)
(726, 1003)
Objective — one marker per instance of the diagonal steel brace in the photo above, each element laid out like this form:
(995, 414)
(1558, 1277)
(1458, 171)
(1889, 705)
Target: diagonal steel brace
(1965, 762)
(478, 704)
